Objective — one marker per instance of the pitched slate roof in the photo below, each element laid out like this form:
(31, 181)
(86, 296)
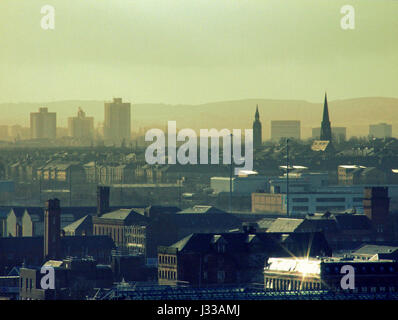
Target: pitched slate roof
(121, 214)
(77, 212)
(285, 225)
(201, 242)
(371, 250)
(18, 211)
(299, 244)
(201, 209)
(127, 216)
(265, 223)
(85, 221)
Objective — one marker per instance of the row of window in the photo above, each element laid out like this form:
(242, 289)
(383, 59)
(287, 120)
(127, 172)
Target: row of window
(139, 240)
(167, 259)
(290, 285)
(326, 199)
(364, 269)
(324, 208)
(115, 233)
(137, 231)
(169, 275)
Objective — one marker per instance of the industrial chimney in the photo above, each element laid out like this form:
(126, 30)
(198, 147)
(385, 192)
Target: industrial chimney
(102, 200)
(376, 205)
(52, 230)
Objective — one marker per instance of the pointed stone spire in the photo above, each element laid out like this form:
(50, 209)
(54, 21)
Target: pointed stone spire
(257, 115)
(257, 130)
(325, 110)
(326, 131)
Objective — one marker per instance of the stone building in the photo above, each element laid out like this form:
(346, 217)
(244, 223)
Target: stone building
(204, 259)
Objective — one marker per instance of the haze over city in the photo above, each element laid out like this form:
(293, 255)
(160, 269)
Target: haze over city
(193, 52)
(214, 150)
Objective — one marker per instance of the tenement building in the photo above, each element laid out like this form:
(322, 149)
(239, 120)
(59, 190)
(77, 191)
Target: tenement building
(204, 259)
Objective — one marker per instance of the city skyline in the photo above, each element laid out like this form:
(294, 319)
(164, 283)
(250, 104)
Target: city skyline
(213, 150)
(155, 116)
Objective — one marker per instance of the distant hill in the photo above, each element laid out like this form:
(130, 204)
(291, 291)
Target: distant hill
(355, 114)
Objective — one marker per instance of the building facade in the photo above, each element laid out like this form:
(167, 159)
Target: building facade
(289, 274)
(229, 258)
(380, 131)
(117, 126)
(43, 124)
(81, 127)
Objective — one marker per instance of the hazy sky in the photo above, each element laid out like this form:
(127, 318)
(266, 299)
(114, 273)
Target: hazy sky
(196, 51)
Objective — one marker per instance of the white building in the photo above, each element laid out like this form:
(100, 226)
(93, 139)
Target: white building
(244, 185)
(310, 193)
(381, 130)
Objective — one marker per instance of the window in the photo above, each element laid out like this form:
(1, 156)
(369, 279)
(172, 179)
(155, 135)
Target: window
(300, 208)
(327, 208)
(300, 200)
(330, 199)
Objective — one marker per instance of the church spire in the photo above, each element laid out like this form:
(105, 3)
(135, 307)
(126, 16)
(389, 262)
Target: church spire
(257, 130)
(257, 115)
(325, 110)
(326, 131)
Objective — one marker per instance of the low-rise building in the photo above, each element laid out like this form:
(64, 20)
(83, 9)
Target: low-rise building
(73, 279)
(355, 174)
(204, 259)
(292, 274)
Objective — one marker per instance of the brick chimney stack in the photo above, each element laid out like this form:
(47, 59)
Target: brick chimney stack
(376, 206)
(102, 200)
(52, 230)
